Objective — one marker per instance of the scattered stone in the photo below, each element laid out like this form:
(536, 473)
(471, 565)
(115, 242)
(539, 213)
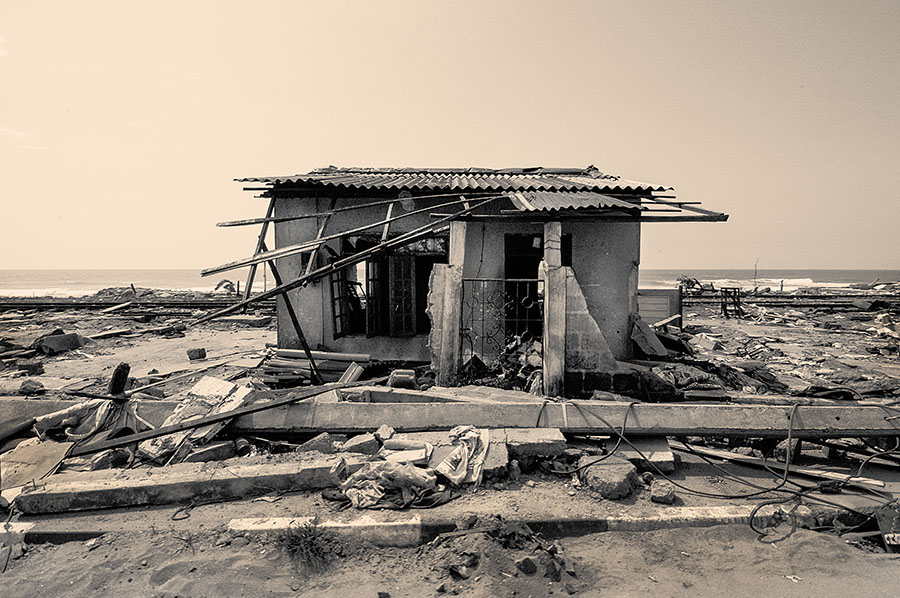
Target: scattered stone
(514, 471)
(662, 491)
(196, 353)
(804, 517)
(466, 521)
(384, 432)
(324, 443)
(531, 483)
(143, 562)
(441, 588)
(570, 588)
(647, 478)
(17, 551)
(240, 542)
(92, 543)
(613, 478)
(403, 379)
(366, 444)
(30, 388)
(31, 367)
(384, 595)
(527, 566)
(781, 450)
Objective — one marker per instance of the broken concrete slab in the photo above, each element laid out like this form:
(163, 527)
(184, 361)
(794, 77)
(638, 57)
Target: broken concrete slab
(535, 442)
(365, 444)
(324, 443)
(185, 482)
(657, 454)
(58, 343)
(30, 460)
(209, 396)
(613, 477)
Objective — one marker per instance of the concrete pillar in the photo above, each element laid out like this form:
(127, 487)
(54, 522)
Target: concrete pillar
(451, 309)
(554, 277)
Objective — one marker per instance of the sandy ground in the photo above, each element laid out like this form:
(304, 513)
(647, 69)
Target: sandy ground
(724, 560)
(196, 557)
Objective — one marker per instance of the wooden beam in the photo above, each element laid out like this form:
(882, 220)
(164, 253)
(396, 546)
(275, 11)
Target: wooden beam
(295, 321)
(387, 225)
(773, 464)
(260, 257)
(260, 243)
(409, 237)
(311, 263)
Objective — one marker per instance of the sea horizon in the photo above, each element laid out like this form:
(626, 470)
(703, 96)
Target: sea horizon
(87, 281)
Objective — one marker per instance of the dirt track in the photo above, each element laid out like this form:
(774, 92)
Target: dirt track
(725, 560)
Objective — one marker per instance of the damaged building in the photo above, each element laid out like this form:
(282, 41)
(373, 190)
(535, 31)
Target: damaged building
(447, 265)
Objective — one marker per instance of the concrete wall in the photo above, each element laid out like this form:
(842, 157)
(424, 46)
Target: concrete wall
(605, 260)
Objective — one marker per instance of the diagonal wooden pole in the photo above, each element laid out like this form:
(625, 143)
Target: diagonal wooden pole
(259, 244)
(314, 371)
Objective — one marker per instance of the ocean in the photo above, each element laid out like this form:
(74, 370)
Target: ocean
(77, 283)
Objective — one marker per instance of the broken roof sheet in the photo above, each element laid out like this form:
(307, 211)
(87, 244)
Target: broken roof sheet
(531, 201)
(457, 179)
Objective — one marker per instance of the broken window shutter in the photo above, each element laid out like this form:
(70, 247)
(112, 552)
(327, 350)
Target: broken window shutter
(402, 294)
(376, 301)
(340, 311)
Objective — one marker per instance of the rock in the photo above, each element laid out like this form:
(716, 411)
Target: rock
(647, 478)
(527, 566)
(613, 478)
(384, 432)
(466, 521)
(384, 595)
(366, 444)
(31, 388)
(17, 551)
(570, 588)
(804, 517)
(240, 542)
(781, 450)
(662, 491)
(514, 471)
(31, 367)
(324, 443)
(403, 379)
(196, 353)
(441, 588)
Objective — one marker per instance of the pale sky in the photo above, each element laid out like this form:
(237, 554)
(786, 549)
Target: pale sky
(122, 124)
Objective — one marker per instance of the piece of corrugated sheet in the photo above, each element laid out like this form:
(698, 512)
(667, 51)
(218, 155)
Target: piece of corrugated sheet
(535, 201)
(452, 179)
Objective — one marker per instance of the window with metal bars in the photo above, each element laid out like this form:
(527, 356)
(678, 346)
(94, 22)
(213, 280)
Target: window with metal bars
(386, 295)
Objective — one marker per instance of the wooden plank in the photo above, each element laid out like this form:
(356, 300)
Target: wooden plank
(314, 255)
(260, 257)
(360, 206)
(775, 465)
(324, 355)
(583, 417)
(295, 321)
(406, 238)
(291, 397)
(387, 226)
(110, 310)
(260, 242)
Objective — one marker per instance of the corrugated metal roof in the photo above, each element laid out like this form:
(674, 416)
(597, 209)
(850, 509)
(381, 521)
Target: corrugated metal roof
(459, 179)
(531, 201)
